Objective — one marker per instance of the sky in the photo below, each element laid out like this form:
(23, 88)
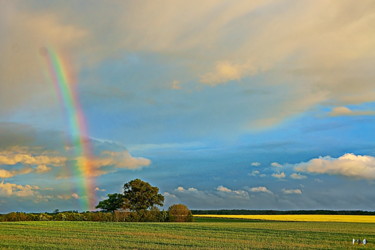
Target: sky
(222, 104)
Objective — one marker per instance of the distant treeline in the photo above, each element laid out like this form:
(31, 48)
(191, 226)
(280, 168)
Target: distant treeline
(117, 216)
(270, 212)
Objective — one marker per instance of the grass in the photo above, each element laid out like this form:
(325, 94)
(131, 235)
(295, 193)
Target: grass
(204, 233)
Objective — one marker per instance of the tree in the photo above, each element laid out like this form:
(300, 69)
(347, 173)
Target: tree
(140, 195)
(179, 213)
(114, 202)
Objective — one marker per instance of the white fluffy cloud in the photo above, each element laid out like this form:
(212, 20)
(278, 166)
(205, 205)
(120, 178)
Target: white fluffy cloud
(279, 175)
(240, 193)
(10, 189)
(349, 165)
(12, 158)
(33, 162)
(255, 164)
(223, 189)
(276, 164)
(298, 176)
(260, 189)
(191, 189)
(291, 191)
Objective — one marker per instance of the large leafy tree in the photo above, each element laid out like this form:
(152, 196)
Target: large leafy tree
(140, 195)
(114, 202)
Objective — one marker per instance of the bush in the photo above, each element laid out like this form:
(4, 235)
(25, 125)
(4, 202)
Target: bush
(179, 213)
(45, 217)
(120, 216)
(59, 217)
(17, 216)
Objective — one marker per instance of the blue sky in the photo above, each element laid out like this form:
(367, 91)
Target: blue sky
(221, 104)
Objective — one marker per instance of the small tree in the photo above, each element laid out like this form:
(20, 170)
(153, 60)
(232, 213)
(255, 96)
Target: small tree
(179, 213)
(114, 202)
(140, 195)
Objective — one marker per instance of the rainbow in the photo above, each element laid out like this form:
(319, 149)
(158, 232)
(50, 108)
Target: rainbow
(60, 73)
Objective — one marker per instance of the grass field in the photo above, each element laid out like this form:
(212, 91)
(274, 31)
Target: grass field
(205, 233)
(300, 217)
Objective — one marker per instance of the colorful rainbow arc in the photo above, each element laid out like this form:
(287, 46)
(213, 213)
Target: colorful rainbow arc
(64, 84)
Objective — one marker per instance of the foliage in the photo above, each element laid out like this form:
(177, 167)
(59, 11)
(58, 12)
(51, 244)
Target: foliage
(114, 202)
(152, 215)
(140, 195)
(179, 213)
(225, 234)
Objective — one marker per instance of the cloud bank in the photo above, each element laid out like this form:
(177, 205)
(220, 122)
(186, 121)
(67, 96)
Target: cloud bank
(349, 165)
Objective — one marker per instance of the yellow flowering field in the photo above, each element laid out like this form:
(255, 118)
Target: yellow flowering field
(298, 217)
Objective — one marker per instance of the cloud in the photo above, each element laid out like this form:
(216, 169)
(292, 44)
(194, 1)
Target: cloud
(14, 134)
(99, 189)
(275, 164)
(240, 193)
(33, 162)
(169, 195)
(42, 169)
(225, 71)
(109, 160)
(279, 175)
(37, 160)
(75, 196)
(291, 191)
(233, 40)
(255, 164)
(223, 189)
(21, 68)
(6, 174)
(298, 176)
(12, 158)
(68, 196)
(191, 189)
(349, 165)
(260, 189)
(344, 111)
(254, 173)
(26, 170)
(176, 85)
(10, 189)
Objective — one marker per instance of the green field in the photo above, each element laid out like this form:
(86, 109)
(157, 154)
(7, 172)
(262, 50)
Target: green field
(203, 233)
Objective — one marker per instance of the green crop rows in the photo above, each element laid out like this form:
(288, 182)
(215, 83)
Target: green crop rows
(203, 234)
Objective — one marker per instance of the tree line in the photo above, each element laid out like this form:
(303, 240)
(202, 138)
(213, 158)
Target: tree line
(138, 203)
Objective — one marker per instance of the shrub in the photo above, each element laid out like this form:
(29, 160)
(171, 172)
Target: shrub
(45, 217)
(120, 216)
(179, 213)
(17, 216)
(59, 217)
